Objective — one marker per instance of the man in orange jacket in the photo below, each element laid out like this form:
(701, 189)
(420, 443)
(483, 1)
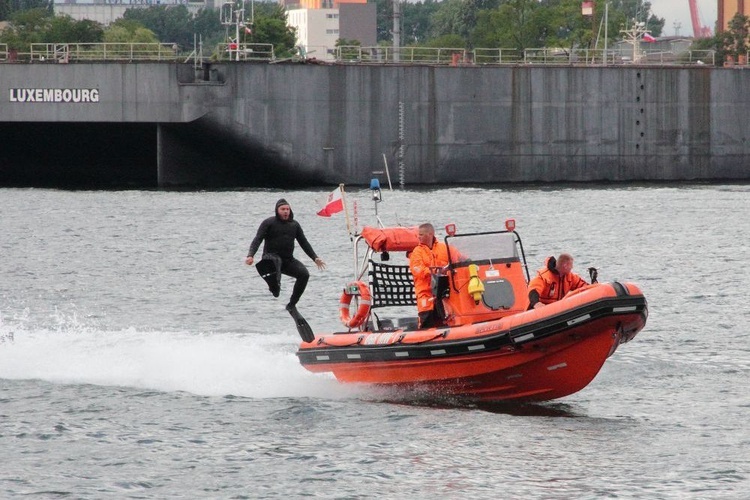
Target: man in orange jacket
(554, 281)
(430, 253)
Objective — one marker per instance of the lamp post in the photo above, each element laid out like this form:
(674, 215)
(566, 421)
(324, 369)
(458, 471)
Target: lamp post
(396, 30)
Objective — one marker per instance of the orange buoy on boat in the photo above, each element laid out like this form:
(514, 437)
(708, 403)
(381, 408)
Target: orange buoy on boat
(361, 289)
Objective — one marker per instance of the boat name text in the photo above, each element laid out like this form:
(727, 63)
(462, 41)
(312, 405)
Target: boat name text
(54, 95)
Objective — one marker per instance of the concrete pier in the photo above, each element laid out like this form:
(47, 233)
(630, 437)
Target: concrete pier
(257, 124)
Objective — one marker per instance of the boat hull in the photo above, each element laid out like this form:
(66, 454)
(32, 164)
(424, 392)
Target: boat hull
(535, 355)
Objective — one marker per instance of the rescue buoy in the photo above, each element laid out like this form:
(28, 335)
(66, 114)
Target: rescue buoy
(355, 288)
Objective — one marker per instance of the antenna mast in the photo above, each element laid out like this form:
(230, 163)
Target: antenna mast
(633, 36)
(233, 14)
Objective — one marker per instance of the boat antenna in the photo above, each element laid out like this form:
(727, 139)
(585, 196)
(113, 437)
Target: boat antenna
(346, 213)
(387, 173)
(377, 197)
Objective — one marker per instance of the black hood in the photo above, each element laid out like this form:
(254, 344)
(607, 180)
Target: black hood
(279, 203)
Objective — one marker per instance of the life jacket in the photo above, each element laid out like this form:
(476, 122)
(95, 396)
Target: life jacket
(551, 286)
(421, 260)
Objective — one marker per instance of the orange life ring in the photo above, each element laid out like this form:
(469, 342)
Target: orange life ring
(364, 304)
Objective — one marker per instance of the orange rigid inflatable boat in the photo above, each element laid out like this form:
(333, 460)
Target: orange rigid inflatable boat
(491, 348)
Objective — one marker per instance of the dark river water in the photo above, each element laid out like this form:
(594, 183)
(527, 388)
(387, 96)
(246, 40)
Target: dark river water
(140, 357)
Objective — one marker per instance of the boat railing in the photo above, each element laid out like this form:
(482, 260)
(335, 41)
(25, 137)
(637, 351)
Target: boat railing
(361, 265)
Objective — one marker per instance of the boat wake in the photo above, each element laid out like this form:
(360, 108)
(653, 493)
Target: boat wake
(209, 364)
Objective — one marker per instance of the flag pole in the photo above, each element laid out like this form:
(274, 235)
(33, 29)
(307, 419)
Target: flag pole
(387, 173)
(346, 211)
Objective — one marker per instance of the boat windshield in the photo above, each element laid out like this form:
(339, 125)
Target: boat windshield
(495, 247)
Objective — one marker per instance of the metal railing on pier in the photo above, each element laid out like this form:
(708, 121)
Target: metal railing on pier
(413, 55)
(246, 52)
(500, 56)
(497, 56)
(88, 52)
(354, 54)
(67, 52)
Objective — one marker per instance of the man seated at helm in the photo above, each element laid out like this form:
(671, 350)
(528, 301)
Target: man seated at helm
(554, 281)
(430, 253)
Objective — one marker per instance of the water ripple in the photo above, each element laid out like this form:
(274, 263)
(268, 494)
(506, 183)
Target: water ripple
(140, 358)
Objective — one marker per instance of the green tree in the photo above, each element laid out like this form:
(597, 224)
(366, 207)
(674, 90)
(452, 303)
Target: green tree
(384, 20)
(734, 41)
(40, 26)
(8, 7)
(26, 27)
(350, 48)
(345, 42)
(129, 31)
(207, 25)
(170, 23)
(416, 21)
(566, 27)
(65, 29)
(556, 23)
(270, 27)
(416, 25)
(515, 24)
(276, 32)
(715, 43)
(458, 17)
(266, 9)
(447, 41)
(622, 14)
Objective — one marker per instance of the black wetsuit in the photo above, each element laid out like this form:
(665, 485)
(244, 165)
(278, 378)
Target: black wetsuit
(279, 236)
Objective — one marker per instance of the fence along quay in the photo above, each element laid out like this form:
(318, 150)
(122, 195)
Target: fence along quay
(70, 52)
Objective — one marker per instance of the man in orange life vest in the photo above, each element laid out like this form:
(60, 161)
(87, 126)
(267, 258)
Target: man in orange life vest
(554, 281)
(428, 254)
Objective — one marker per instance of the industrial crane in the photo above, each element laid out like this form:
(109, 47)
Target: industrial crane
(699, 31)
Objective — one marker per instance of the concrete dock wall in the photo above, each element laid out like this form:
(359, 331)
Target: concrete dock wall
(259, 124)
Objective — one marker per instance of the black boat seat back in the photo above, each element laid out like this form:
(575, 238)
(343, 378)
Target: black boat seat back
(407, 324)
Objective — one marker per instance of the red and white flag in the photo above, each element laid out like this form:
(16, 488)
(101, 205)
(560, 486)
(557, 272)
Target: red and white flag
(648, 38)
(334, 203)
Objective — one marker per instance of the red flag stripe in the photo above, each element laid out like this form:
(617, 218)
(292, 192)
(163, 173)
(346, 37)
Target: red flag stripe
(334, 204)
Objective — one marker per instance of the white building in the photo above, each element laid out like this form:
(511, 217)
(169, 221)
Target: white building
(107, 13)
(317, 31)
